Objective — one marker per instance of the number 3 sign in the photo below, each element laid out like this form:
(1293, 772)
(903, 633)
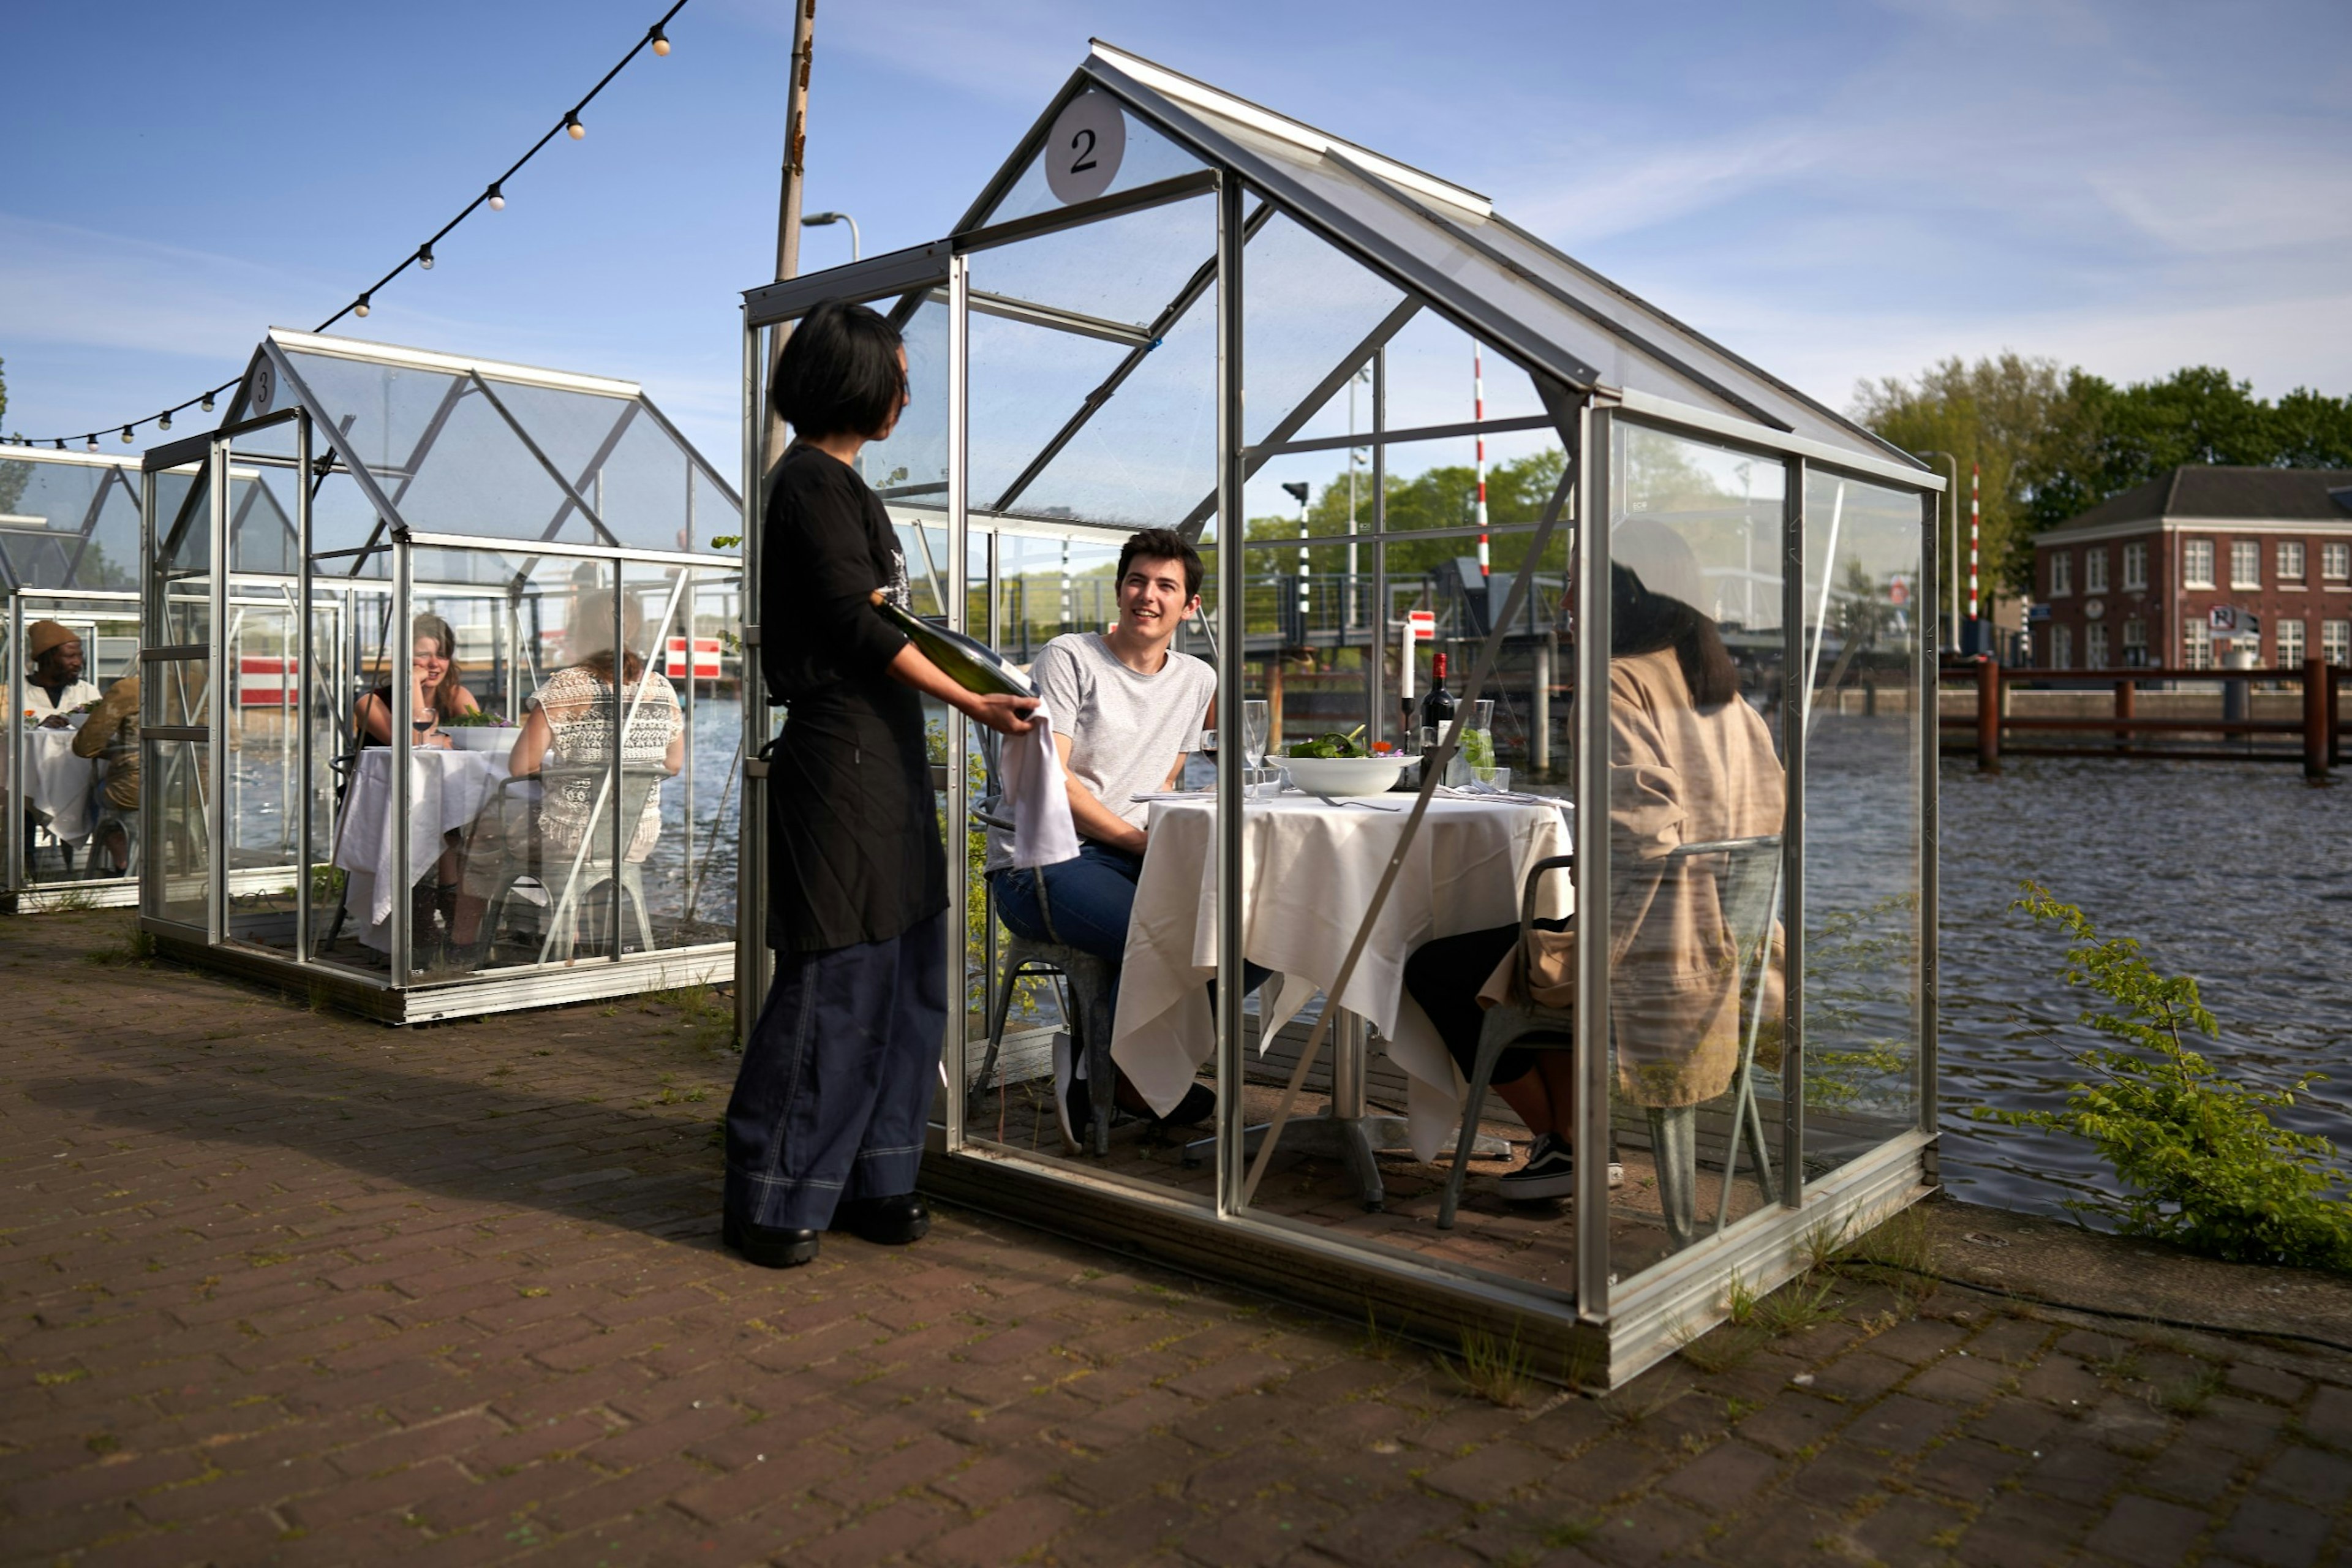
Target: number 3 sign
(1082, 149)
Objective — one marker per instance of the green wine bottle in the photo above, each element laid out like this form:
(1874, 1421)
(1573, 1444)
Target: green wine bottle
(974, 666)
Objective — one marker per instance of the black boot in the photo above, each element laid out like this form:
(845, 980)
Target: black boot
(770, 1247)
(424, 934)
(893, 1221)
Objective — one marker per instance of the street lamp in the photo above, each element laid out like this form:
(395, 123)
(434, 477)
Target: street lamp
(826, 220)
(1952, 513)
(1299, 490)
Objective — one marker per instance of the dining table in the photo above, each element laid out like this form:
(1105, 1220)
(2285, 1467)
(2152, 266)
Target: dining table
(57, 781)
(446, 791)
(1309, 867)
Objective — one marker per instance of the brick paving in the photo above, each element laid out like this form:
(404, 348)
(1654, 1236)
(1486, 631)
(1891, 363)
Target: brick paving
(283, 1287)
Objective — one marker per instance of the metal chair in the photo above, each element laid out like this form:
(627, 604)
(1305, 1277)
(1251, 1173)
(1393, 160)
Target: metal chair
(1085, 988)
(563, 876)
(1749, 894)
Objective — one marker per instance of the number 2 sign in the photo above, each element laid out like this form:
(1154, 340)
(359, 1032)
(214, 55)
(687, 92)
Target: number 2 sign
(1082, 149)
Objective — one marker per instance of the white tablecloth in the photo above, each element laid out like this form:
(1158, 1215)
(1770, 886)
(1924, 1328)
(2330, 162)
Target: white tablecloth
(447, 790)
(57, 782)
(1309, 872)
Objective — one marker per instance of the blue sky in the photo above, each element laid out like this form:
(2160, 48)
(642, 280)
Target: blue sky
(1837, 191)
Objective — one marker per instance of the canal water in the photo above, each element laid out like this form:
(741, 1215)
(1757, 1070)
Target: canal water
(2238, 874)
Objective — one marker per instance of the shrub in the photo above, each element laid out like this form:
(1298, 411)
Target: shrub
(2205, 1166)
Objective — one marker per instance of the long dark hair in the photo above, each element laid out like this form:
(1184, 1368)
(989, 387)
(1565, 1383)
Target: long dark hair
(1640, 621)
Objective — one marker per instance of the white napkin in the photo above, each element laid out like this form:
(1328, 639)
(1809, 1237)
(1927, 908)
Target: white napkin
(1038, 792)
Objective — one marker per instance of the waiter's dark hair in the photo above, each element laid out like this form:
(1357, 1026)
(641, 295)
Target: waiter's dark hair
(839, 372)
(1643, 622)
(1162, 545)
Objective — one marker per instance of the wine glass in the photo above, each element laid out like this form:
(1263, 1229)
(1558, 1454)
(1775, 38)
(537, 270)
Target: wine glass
(1256, 723)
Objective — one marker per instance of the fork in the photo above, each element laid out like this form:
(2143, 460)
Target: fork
(1367, 805)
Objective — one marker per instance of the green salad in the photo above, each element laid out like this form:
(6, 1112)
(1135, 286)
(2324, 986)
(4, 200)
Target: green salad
(1327, 745)
(474, 719)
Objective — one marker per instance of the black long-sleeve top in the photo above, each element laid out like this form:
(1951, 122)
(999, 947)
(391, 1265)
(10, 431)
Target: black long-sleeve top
(829, 545)
(853, 850)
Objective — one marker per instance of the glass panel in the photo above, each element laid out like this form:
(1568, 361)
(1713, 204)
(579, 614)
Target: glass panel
(1147, 157)
(1861, 801)
(1305, 307)
(68, 526)
(1026, 382)
(1126, 269)
(265, 787)
(1697, 803)
(177, 847)
(261, 503)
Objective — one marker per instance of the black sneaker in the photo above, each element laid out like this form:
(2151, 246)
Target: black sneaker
(1072, 1106)
(1549, 1172)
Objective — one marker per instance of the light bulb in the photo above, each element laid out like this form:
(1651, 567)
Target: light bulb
(163, 422)
(661, 43)
(89, 442)
(60, 445)
(207, 404)
(126, 435)
(498, 200)
(572, 123)
(424, 256)
(361, 308)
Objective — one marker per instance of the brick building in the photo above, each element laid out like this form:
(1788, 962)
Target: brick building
(2133, 581)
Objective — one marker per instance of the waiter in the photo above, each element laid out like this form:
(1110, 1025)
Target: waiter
(826, 1127)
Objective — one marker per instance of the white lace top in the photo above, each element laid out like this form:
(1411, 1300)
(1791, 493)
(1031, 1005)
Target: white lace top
(579, 711)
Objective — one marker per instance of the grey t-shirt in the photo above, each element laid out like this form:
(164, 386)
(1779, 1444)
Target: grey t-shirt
(1127, 730)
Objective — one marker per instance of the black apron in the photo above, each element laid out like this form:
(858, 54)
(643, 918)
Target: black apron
(853, 849)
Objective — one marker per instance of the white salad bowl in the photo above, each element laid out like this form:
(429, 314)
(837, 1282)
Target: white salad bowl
(1341, 777)
(481, 737)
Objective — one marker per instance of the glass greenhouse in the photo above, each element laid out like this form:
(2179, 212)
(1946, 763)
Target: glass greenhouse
(396, 610)
(1754, 1045)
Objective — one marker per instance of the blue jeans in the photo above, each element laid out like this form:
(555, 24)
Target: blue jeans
(1090, 901)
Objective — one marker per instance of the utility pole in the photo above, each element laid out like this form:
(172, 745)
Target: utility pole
(788, 206)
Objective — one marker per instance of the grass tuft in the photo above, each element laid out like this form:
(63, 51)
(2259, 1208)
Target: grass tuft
(1496, 1370)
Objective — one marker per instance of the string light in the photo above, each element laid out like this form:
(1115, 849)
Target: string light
(89, 442)
(126, 435)
(493, 196)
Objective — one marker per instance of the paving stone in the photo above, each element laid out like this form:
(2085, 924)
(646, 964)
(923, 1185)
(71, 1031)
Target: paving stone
(1910, 1530)
(2272, 1532)
(2146, 1533)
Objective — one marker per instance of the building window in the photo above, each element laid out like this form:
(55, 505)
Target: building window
(2062, 573)
(2134, 643)
(2135, 568)
(2289, 646)
(2336, 642)
(2061, 648)
(2245, 563)
(2094, 646)
(2095, 569)
(2197, 564)
(2336, 561)
(2196, 646)
(2290, 561)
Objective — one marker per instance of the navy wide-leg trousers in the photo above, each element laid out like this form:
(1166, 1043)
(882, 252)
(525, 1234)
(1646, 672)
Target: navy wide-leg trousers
(837, 1082)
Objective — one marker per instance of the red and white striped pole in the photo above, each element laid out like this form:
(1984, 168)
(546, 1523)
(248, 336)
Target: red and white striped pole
(1975, 475)
(1478, 415)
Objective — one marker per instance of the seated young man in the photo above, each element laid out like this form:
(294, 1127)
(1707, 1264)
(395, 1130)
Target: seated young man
(1127, 708)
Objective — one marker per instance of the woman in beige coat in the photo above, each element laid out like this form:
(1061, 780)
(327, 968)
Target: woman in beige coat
(1689, 763)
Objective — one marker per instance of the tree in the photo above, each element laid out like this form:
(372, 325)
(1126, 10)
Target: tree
(2109, 439)
(1997, 414)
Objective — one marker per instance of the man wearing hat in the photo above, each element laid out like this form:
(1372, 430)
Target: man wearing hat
(53, 689)
(53, 685)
